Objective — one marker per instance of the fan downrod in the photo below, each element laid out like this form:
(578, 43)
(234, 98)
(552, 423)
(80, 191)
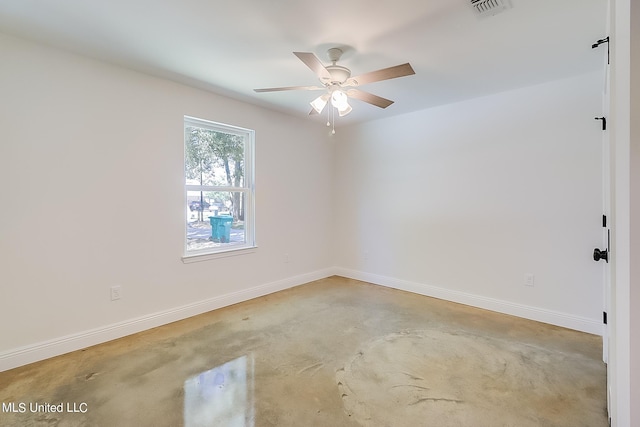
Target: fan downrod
(334, 54)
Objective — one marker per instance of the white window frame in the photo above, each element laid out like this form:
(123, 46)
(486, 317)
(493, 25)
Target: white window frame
(248, 189)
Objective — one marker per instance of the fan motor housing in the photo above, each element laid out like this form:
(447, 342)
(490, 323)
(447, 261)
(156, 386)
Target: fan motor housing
(338, 74)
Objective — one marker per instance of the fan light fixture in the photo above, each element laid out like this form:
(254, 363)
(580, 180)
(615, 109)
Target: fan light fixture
(339, 100)
(319, 103)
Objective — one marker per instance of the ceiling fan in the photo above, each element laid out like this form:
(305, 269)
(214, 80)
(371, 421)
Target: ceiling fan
(339, 85)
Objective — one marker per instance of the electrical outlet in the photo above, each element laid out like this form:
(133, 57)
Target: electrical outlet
(116, 293)
(529, 279)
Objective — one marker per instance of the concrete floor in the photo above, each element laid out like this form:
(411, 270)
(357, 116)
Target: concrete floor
(335, 352)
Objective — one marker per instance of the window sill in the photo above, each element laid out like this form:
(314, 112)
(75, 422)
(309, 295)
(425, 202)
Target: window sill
(188, 259)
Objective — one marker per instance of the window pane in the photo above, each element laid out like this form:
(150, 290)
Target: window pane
(213, 158)
(215, 219)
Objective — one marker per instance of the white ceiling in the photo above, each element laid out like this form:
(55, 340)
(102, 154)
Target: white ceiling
(232, 47)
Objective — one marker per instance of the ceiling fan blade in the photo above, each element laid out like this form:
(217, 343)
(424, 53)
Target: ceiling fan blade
(383, 74)
(278, 89)
(314, 63)
(313, 112)
(372, 99)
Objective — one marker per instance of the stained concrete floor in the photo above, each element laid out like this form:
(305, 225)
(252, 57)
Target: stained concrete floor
(335, 352)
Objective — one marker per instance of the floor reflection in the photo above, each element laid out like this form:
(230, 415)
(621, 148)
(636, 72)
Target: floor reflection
(222, 396)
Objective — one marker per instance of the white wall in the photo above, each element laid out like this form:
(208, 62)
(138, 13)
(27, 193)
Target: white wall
(91, 186)
(463, 200)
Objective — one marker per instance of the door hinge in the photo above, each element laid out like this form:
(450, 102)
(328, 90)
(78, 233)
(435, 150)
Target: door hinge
(604, 221)
(604, 122)
(604, 317)
(601, 41)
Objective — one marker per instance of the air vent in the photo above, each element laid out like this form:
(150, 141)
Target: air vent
(489, 7)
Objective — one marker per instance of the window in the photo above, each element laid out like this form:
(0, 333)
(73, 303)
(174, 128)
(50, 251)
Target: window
(219, 187)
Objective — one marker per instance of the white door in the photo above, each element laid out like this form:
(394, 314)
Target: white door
(607, 191)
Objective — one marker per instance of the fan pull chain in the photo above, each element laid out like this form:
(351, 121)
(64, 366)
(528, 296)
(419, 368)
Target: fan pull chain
(333, 121)
(328, 123)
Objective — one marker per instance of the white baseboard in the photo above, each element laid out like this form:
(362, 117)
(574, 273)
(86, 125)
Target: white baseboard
(61, 345)
(527, 312)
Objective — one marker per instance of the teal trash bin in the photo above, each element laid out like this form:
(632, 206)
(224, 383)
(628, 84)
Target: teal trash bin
(221, 228)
